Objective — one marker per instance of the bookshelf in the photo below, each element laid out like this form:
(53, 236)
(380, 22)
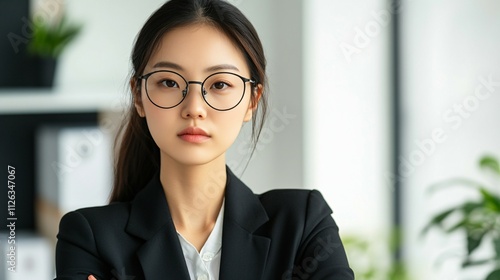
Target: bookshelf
(62, 100)
(24, 111)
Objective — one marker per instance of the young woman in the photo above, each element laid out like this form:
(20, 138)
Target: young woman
(177, 211)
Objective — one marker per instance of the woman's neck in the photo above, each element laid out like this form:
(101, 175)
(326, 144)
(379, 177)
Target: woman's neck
(194, 194)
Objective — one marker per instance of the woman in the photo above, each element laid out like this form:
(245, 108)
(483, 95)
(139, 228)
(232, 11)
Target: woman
(177, 211)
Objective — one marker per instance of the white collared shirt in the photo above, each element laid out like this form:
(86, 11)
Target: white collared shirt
(205, 265)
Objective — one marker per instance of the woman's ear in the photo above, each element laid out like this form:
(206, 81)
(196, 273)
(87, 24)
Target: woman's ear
(136, 92)
(254, 101)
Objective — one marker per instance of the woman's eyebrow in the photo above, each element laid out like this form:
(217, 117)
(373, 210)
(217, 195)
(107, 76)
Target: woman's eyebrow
(175, 66)
(222, 67)
(167, 64)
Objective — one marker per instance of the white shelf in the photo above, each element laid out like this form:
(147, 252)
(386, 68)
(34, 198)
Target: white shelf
(63, 100)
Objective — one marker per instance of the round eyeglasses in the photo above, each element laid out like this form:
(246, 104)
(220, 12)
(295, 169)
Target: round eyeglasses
(222, 90)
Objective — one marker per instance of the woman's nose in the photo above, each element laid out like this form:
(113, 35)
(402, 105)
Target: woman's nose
(194, 105)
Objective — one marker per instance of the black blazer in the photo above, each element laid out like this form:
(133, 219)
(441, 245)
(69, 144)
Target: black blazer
(281, 234)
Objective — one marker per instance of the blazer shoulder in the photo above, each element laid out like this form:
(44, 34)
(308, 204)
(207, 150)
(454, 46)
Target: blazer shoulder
(115, 213)
(302, 204)
(293, 199)
(115, 209)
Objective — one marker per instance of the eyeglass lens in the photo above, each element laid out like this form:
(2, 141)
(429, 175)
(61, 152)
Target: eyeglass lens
(222, 91)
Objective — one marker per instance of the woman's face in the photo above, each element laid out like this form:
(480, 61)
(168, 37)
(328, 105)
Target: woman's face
(195, 52)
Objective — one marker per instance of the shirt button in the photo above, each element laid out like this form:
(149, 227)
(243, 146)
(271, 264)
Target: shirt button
(202, 277)
(207, 257)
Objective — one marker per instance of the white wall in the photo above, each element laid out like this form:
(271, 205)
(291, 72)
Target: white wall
(448, 48)
(346, 93)
(278, 161)
(101, 53)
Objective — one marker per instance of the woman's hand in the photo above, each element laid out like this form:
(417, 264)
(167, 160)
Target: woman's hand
(91, 277)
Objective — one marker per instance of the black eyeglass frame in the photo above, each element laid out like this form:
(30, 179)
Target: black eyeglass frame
(203, 91)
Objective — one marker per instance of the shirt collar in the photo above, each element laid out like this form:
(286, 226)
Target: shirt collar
(214, 242)
(212, 246)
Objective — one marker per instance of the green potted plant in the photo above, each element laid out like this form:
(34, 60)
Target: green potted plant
(45, 47)
(479, 218)
(375, 260)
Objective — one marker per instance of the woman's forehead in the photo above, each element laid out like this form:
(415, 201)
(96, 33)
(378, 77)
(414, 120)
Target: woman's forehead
(198, 46)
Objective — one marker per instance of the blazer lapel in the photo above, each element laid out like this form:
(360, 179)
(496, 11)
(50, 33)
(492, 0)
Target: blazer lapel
(160, 255)
(244, 254)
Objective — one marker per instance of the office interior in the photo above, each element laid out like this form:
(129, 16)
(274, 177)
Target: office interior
(390, 108)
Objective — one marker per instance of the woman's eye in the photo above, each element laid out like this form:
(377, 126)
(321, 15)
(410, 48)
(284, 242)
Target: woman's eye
(220, 85)
(169, 83)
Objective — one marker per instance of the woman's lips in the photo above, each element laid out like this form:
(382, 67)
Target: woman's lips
(194, 135)
(194, 138)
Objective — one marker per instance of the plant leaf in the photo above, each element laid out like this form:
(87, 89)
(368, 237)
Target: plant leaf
(491, 201)
(49, 41)
(465, 182)
(473, 241)
(491, 163)
(468, 207)
(472, 263)
(494, 275)
(398, 272)
(496, 244)
(460, 225)
(438, 219)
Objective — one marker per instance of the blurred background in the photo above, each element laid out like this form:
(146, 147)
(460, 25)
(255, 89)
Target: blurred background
(389, 108)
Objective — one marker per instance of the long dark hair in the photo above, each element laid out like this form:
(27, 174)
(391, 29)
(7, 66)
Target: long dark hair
(138, 156)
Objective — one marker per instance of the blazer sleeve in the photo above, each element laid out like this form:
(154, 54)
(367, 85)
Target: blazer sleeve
(76, 252)
(322, 255)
